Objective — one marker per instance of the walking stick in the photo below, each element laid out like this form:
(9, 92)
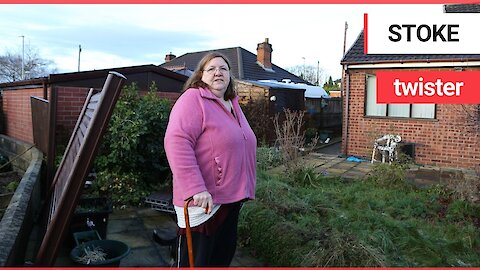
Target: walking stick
(188, 233)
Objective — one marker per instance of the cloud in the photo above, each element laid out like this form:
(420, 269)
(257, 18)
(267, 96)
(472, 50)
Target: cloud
(144, 34)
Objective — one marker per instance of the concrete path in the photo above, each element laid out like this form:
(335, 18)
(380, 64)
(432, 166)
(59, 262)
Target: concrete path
(134, 226)
(338, 166)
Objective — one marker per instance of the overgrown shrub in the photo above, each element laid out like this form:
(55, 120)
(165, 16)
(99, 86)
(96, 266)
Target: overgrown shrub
(256, 112)
(133, 146)
(267, 157)
(310, 135)
(124, 188)
(465, 188)
(290, 136)
(392, 175)
(12, 186)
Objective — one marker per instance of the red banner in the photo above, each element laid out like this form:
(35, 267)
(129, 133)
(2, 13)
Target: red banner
(434, 87)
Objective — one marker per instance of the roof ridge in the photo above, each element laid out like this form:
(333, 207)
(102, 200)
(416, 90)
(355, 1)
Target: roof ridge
(210, 50)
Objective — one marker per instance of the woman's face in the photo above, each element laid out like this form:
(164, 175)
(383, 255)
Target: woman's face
(216, 74)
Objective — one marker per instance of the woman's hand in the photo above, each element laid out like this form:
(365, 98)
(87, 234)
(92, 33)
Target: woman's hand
(204, 200)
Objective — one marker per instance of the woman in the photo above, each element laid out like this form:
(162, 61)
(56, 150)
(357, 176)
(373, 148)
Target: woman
(211, 151)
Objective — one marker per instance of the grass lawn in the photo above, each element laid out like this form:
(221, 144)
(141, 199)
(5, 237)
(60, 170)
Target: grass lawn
(302, 219)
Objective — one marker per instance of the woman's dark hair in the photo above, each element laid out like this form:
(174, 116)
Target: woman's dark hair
(195, 80)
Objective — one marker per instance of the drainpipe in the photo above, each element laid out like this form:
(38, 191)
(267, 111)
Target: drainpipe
(347, 103)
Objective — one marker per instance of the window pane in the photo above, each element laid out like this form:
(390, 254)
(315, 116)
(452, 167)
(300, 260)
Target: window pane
(399, 110)
(371, 100)
(423, 111)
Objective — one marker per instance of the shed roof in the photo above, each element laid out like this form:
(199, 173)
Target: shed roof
(311, 91)
(100, 73)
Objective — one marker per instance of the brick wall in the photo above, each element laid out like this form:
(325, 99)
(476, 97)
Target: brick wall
(70, 102)
(18, 113)
(450, 140)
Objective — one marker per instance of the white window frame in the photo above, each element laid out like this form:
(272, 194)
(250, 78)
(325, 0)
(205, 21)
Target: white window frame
(416, 111)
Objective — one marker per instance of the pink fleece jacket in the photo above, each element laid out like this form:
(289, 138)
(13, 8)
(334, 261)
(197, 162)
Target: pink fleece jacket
(209, 149)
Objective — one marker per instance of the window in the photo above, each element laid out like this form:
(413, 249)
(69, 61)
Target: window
(393, 110)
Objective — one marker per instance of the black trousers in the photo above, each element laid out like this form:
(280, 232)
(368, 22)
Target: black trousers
(216, 250)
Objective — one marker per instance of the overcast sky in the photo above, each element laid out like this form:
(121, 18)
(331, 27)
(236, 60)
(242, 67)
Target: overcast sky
(127, 35)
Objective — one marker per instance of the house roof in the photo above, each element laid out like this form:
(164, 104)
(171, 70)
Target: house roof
(244, 65)
(462, 8)
(356, 55)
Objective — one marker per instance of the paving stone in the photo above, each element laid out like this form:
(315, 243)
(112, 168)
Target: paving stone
(120, 225)
(123, 213)
(134, 239)
(324, 167)
(337, 172)
(144, 257)
(344, 166)
(158, 221)
(353, 175)
(363, 169)
(147, 212)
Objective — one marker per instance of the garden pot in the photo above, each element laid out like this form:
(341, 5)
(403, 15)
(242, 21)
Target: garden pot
(92, 209)
(114, 252)
(83, 237)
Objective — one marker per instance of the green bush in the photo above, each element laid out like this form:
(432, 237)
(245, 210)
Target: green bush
(390, 175)
(123, 188)
(12, 186)
(268, 157)
(132, 150)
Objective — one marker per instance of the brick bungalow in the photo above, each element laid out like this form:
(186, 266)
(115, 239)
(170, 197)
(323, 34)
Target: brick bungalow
(445, 135)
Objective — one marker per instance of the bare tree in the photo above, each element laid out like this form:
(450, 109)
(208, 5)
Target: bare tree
(34, 65)
(311, 74)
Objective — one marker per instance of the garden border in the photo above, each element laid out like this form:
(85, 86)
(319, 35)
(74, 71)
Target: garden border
(18, 220)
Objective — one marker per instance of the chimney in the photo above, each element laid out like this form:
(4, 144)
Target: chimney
(169, 57)
(264, 54)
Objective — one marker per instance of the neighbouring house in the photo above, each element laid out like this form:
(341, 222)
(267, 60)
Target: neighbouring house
(71, 90)
(245, 65)
(262, 100)
(446, 135)
(257, 78)
(323, 113)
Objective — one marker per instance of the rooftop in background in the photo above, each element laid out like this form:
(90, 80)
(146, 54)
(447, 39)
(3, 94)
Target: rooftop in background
(245, 65)
(356, 55)
(311, 91)
(143, 75)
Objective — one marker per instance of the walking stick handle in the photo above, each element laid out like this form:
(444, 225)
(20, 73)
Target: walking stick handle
(188, 232)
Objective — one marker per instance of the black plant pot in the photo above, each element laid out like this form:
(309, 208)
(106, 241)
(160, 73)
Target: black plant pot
(115, 251)
(92, 210)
